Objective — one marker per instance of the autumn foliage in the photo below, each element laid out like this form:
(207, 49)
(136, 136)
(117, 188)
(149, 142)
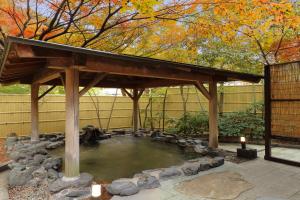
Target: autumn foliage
(215, 32)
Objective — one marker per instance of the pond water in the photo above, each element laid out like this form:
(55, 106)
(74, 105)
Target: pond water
(124, 156)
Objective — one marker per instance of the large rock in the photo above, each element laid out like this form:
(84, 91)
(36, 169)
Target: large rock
(39, 158)
(84, 180)
(73, 193)
(217, 161)
(54, 145)
(18, 177)
(182, 142)
(148, 182)
(17, 166)
(52, 175)
(191, 169)
(202, 150)
(11, 140)
(40, 173)
(16, 156)
(54, 163)
(204, 165)
(122, 188)
(169, 173)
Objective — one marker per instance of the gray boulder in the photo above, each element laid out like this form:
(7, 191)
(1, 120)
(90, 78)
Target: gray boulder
(148, 182)
(17, 166)
(122, 188)
(11, 140)
(191, 169)
(169, 173)
(40, 173)
(39, 158)
(20, 177)
(217, 161)
(16, 156)
(52, 175)
(200, 149)
(182, 142)
(204, 165)
(54, 145)
(84, 180)
(54, 163)
(73, 193)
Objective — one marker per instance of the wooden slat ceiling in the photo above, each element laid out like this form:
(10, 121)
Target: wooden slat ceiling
(26, 61)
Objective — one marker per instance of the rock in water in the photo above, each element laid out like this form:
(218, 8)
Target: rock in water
(122, 188)
(169, 173)
(148, 182)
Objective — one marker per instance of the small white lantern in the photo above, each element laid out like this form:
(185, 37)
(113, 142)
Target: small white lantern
(96, 191)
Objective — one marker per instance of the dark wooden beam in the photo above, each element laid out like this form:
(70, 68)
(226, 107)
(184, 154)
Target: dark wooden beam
(46, 75)
(46, 92)
(132, 69)
(94, 82)
(128, 93)
(202, 89)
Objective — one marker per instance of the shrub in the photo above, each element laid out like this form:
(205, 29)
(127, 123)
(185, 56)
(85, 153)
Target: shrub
(190, 124)
(241, 123)
(245, 123)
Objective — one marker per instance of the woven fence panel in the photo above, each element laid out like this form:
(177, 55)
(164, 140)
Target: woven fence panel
(285, 100)
(15, 109)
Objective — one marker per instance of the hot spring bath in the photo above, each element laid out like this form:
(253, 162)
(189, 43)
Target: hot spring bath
(124, 156)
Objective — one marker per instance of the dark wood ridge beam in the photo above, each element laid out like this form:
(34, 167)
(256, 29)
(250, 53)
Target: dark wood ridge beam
(142, 70)
(46, 92)
(96, 64)
(27, 51)
(94, 82)
(203, 90)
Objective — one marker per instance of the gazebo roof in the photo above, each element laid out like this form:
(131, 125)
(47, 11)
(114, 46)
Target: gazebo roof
(30, 61)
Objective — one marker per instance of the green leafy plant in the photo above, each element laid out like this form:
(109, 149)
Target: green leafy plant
(190, 124)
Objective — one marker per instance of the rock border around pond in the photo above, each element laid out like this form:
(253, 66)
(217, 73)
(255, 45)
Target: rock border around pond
(33, 166)
(150, 179)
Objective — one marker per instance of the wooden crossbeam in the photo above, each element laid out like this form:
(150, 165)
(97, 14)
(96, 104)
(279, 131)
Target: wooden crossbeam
(46, 92)
(45, 76)
(202, 89)
(94, 82)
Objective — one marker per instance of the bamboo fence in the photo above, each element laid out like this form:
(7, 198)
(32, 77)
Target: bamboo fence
(285, 98)
(15, 109)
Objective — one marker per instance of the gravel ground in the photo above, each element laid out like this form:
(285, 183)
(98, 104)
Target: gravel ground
(29, 193)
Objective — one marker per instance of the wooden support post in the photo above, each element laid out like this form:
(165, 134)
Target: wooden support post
(213, 115)
(72, 124)
(135, 97)
(135, 110)
(35, 112)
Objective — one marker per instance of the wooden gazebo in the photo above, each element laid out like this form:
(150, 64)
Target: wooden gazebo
(41, 63)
